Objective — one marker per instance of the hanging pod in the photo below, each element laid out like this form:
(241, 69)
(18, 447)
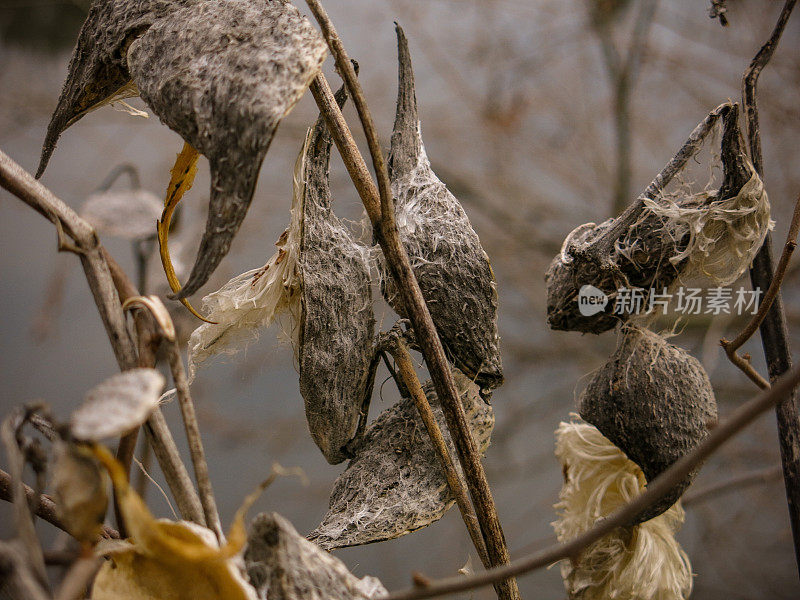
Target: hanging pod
(221, 74)
(654, 402)
(711, 235)
(282, 565)
(453, 271)
(395, 483)
(336, 350)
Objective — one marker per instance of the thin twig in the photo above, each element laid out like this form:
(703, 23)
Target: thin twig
(397, 347)
(78, 578)
(731, 347)
(774, 334)
(734, 484)
(385, 231)
(45, 506)
(656, 489)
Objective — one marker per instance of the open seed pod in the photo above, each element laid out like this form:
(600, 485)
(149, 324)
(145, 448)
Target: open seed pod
(395, 483)
(222, 75)
(283, 565)
(644, 561)
(654, 402)
(658, 239)
(336, 350)
(453, 271)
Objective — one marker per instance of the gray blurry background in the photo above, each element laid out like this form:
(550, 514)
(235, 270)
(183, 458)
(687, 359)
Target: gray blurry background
(518, 114)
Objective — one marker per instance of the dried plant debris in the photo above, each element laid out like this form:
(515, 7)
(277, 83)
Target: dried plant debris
(80, 487)
(222, 75)
(256, 298)
(654, 402)
(713, 235)
(169, 560)
(118, 405)
(283, 565)
(336, 347)
(453, 271)
(395, 484)
(127, 214)
(644, 561)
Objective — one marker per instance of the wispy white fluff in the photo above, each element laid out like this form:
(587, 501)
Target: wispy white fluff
(254, 299)
(643, 562)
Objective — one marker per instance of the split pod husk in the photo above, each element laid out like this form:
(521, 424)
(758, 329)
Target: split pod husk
(221, 74)
(395, 483)
(713, 235)
(336, 350)
(453, 271)
(652, 400)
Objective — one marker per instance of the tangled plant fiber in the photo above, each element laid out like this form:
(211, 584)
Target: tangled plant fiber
(641, 562)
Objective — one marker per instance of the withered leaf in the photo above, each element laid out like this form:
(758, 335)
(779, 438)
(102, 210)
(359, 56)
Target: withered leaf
(337, 324)
(395, 484)
(223, 75)
(283, 565)
(119, 404)
(453, 271)
(81, 490)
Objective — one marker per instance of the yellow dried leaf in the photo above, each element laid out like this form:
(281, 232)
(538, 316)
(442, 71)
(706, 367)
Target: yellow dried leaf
(181, 179)
(168, 560)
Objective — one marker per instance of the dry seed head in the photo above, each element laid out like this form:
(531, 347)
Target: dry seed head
(453, 271)
(283, 565)
(395, 483)
(644, 561)
(654, 402)
(658, 240)
(337, 325)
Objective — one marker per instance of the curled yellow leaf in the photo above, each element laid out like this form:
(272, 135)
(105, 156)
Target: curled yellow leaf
(181, 179)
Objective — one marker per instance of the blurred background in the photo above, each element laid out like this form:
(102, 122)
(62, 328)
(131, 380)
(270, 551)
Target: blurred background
(539, 115)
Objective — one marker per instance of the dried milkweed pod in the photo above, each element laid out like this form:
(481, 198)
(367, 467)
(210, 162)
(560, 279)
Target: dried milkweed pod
(222, 75)
(336, 351)
(117, 405)
(395, 483)
(289, 567)
(652, 400)
(643, 561)
(660, 238)
(453, 271)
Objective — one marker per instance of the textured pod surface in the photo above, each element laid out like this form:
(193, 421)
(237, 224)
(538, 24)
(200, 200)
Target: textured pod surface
(98, 72)
(283, 565)
(645, 561)
(712, 235)
(223, 75)
(453, 271)
(337, 324)
(117, 405)
(395, 484)
(654, 402)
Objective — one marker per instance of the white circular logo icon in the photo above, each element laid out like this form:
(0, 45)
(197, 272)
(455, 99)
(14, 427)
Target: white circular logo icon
(591, 300)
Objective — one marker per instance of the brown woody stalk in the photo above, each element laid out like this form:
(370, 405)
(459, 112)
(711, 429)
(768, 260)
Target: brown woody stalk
(380, 209)
(398, 348)
(774, 334)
